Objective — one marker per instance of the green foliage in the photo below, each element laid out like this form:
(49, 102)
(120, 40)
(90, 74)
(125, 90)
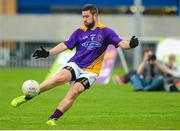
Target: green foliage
(102, 107)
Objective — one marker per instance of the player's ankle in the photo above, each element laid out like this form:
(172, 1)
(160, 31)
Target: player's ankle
(56, 115)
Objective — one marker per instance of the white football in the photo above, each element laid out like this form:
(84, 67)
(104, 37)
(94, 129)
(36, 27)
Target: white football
(30, 87)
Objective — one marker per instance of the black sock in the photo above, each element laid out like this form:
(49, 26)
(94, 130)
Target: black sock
(28, 97)
(57, 114)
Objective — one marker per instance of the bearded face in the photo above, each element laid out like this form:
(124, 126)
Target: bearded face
(90, 24)
(88, 19)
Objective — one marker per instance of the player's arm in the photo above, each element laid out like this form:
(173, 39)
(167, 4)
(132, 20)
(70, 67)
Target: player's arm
(127, 45)
(43, 53)
(58, 49)
(68, 44)
(118, 42)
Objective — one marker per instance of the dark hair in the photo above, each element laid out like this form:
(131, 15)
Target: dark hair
(93, 9)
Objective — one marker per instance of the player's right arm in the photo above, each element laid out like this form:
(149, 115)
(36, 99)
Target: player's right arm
(43, 53)
(58, 49)
(68, 44)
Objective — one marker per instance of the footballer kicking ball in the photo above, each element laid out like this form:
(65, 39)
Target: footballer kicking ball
(31, 88)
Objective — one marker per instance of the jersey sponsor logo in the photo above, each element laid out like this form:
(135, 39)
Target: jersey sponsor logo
(91, 44)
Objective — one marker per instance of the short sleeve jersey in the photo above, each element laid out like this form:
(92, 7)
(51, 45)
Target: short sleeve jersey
(91, 46)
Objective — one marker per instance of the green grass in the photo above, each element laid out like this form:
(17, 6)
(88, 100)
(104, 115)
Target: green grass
(102, 107)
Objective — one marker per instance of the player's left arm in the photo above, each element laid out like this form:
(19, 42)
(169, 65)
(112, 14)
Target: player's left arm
(131, 44)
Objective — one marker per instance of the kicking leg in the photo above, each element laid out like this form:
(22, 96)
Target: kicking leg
(59, 79)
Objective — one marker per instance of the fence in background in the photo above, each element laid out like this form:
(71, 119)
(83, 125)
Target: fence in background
(20, 54)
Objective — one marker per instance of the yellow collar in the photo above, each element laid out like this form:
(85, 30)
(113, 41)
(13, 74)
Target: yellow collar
(100, 25)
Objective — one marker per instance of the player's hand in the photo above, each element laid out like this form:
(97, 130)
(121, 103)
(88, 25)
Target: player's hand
(134, 42)
(41, 53)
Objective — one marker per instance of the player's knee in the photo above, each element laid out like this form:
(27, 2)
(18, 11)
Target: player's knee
(76, 90)
(84, 82)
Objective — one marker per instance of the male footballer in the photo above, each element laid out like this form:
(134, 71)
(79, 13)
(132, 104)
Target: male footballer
(91, 41)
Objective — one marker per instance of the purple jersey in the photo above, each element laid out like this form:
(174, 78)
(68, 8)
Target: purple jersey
(91, 46)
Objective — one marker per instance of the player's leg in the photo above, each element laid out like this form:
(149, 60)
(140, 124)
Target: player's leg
(81, 84)
(71, 96)
(60, 78)
(66, 103)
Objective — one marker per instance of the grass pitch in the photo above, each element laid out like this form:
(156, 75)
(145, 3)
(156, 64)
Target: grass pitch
(105, 107)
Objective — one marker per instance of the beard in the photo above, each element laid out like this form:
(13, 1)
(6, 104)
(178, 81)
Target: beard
(90, 25)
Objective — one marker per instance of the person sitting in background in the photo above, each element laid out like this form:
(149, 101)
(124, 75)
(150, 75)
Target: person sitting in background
(124, 79)
(148, 77)
(127, 77)
(171, 62)
(171, 71)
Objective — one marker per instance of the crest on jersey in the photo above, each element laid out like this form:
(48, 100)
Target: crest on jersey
(99, 37)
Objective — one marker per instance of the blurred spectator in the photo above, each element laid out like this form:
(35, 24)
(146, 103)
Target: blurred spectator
(172, 62)
(171, 71)
(125, 79)
(148, 77)
(142, 79)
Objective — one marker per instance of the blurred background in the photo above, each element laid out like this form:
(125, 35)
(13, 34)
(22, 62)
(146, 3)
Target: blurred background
(27, 24)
